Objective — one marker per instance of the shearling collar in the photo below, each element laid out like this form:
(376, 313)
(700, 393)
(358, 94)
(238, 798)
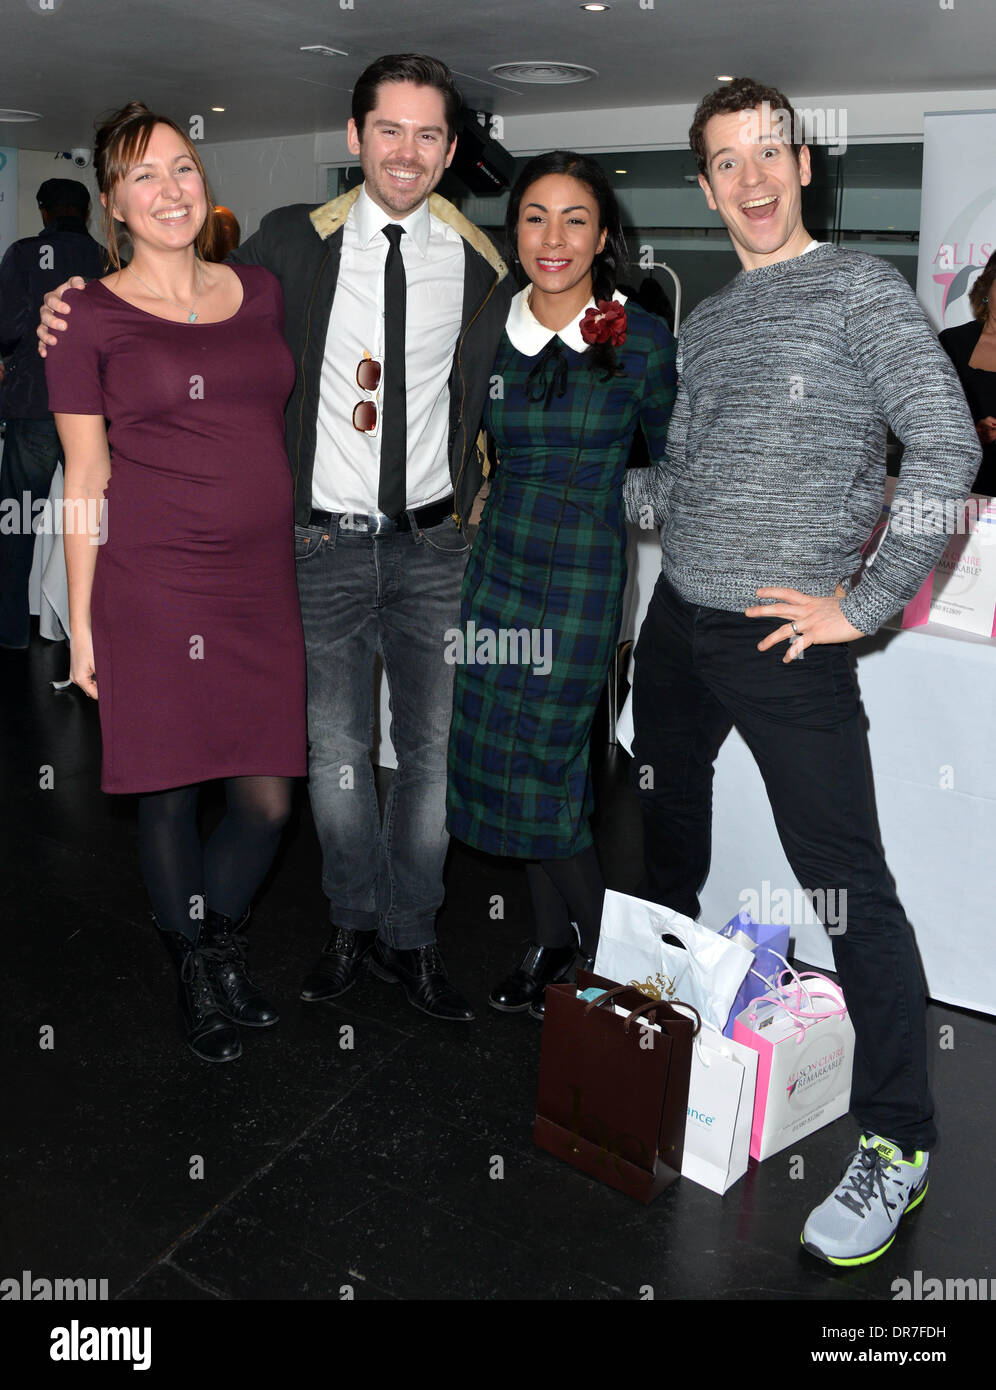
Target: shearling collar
(327, 220)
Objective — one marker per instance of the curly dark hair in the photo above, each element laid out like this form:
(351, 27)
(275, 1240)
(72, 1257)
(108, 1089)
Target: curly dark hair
(743, 94)
(978, 295)
(613, 255)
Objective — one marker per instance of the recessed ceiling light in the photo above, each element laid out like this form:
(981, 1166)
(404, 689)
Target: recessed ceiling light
(324, 49)
(544, 73)
(217, 108)
(724, 77)
(622, 171)
(596, 9)
(6, 115)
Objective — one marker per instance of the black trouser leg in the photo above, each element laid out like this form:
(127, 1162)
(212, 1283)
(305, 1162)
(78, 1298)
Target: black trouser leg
(552, 918)
(565, 891)
(803, 724)
(679, 728)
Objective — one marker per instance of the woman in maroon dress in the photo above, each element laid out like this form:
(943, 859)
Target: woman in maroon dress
(187, 612)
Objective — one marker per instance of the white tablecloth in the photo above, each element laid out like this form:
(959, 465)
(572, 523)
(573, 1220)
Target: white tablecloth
(930, 697)
(48, 588)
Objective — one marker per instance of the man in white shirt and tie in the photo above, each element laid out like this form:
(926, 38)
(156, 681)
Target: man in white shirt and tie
(394, 352)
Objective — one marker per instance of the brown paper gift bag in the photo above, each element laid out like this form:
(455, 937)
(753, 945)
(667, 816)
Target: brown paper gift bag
(613, 1094)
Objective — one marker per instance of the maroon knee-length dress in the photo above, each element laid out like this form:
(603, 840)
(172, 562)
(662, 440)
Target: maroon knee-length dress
(197, 637)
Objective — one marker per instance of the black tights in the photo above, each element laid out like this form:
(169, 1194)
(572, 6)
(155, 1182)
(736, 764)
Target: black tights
(566, 891)
(182, 875)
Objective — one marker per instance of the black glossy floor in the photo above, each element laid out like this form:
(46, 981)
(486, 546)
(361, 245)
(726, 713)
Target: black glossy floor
(370, 1166)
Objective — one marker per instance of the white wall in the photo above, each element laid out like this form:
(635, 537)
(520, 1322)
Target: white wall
(254, 176)
(869, 116)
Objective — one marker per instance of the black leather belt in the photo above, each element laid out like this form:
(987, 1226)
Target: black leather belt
(377, 524)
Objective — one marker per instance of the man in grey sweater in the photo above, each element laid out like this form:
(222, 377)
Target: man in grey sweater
(788, 380)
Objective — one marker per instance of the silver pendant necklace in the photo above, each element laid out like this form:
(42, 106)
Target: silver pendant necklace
(191, 312)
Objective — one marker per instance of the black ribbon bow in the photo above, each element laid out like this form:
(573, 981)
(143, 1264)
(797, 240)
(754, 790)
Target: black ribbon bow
(548, 376)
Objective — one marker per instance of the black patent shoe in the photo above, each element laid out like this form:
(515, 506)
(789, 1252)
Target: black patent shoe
(422, 975)
(338, 965)
(223, 948)
(537, 1007)
(540, 966)
(209, 1034)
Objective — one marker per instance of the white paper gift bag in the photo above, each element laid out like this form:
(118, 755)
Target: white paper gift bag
(720, 1110)
(805, 1045)
(669, 956)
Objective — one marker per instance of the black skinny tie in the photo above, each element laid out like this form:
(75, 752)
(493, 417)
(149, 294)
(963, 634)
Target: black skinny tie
(392, 496)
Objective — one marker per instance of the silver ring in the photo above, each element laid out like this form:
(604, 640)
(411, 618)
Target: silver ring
(794, 628)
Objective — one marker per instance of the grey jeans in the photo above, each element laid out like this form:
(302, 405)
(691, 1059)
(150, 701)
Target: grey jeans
(394, 594)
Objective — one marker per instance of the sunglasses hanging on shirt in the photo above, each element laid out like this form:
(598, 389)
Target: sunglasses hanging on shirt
(369, 375)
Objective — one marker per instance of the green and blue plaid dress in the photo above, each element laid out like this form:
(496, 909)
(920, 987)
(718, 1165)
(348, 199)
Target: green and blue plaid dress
(547, 570)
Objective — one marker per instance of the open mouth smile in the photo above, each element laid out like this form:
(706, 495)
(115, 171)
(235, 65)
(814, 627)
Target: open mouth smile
(757, 208)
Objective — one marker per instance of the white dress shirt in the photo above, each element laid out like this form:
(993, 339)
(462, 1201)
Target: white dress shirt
(347, 462)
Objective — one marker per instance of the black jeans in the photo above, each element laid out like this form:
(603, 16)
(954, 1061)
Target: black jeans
(31, 453)
(698, 672)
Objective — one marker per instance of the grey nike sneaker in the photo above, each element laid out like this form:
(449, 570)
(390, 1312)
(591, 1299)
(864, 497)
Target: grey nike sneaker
(859, 1220)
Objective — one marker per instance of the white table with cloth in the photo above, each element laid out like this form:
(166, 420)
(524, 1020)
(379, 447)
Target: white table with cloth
(929, 694)
(48, 585)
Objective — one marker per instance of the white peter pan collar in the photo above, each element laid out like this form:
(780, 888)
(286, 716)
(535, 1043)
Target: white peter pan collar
(530, 337)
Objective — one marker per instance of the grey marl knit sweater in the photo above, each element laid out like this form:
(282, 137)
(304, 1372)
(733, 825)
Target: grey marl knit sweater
(787, 380)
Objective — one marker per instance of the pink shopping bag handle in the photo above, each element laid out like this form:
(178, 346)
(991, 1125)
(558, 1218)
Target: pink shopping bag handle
(795, 1012)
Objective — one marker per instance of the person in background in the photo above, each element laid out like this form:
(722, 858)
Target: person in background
(227, 234)
(32, 451)
(972, 348)
(653, 297)
(580, 372)
(185, 621)
(788, 378)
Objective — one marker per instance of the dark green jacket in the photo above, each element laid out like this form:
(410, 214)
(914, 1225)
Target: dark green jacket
(301, 245)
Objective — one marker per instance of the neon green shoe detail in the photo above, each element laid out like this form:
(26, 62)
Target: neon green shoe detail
(858, 1220)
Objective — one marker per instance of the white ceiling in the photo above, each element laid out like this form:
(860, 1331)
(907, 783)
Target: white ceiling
(73, 59)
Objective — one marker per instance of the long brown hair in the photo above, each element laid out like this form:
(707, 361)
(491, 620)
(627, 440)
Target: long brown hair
(121, 144)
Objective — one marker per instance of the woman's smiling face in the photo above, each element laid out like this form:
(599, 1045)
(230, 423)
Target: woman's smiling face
(558, 236)
(161, 199)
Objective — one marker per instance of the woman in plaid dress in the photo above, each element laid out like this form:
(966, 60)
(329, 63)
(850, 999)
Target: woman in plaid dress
(577, 372)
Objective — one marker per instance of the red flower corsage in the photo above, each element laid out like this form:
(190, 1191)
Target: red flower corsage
(606, 323)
